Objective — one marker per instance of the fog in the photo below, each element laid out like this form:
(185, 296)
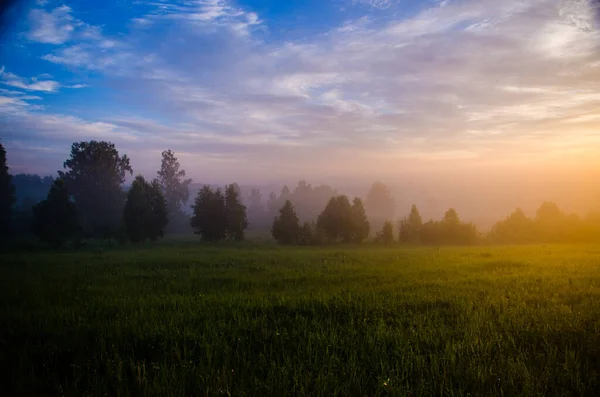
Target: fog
(479, 105)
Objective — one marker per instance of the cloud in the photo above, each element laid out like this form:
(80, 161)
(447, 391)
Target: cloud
(59, 26)
(13, 80)
(53, 27)
(203, 14)
(381, 4)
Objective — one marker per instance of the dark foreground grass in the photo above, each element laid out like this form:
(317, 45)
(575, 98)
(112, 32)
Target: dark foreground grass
(256, 321)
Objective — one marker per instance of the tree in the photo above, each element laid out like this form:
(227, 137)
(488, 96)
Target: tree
(286, 226)
(307, 234)
(516, 228)
(7, 195)
(451, 217)
(55, 219)
(308, 200)
(548, 213)
(95, 176)
(236, 218)
(386, 235)
(410, 226)
(285, 193)
(31, 188)
(210, 216)
(431, 233)
(145, 213)
(337, 220)
(449, 231)
(175, 188)
(451, 227)
(160, 212)
(550, 223)
(360, 221)
(380, 204)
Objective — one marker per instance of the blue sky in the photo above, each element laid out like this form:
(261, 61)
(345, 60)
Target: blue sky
(263, 90)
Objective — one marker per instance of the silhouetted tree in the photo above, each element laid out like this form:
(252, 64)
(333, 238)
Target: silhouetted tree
(95, 176)
(386, 235)
(360, 221)
(380, 205)
(516, 228)
(307, 234)
(175, 188)
(285, 193)
(7, 195)
(236, 218)
(286, 226)
(55, 219)
(337, 220)
(145, 214)
(431, 233)
(451, 217)
(308, 201)
(210, 216)
(31, 188)
(449, 231)
(410, 226)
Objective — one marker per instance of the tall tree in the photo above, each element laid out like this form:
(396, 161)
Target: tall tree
(237, 220)
(380, 205)
(386, 235)
(451, 217)
(286, 226)
(55, 219)
(95, 174)
(360, 221)
(160, 213)
(337, 220)
(410, 226)
(175, 188)
(308, 234)
(210, 217)
(145, 212)
(7, 195)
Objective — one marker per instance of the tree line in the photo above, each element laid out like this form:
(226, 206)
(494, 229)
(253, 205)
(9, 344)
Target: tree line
(88, 200)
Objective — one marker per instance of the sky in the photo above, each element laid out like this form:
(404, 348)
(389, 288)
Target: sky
(445, 91)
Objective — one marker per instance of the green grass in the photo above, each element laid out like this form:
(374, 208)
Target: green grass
(189, 319)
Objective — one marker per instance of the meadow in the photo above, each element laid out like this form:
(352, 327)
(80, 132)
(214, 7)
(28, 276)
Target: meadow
(188, 319)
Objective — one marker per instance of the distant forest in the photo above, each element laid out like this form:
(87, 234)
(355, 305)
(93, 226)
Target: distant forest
(89, 199)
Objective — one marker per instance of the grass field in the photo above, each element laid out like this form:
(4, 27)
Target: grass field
(190, 319)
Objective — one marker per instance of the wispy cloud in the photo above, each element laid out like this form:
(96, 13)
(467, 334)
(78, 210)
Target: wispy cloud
(34, 84)
(204, 14)
(54, 27)
(382, 4)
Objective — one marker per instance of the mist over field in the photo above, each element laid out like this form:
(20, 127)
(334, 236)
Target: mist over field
(483, 106)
